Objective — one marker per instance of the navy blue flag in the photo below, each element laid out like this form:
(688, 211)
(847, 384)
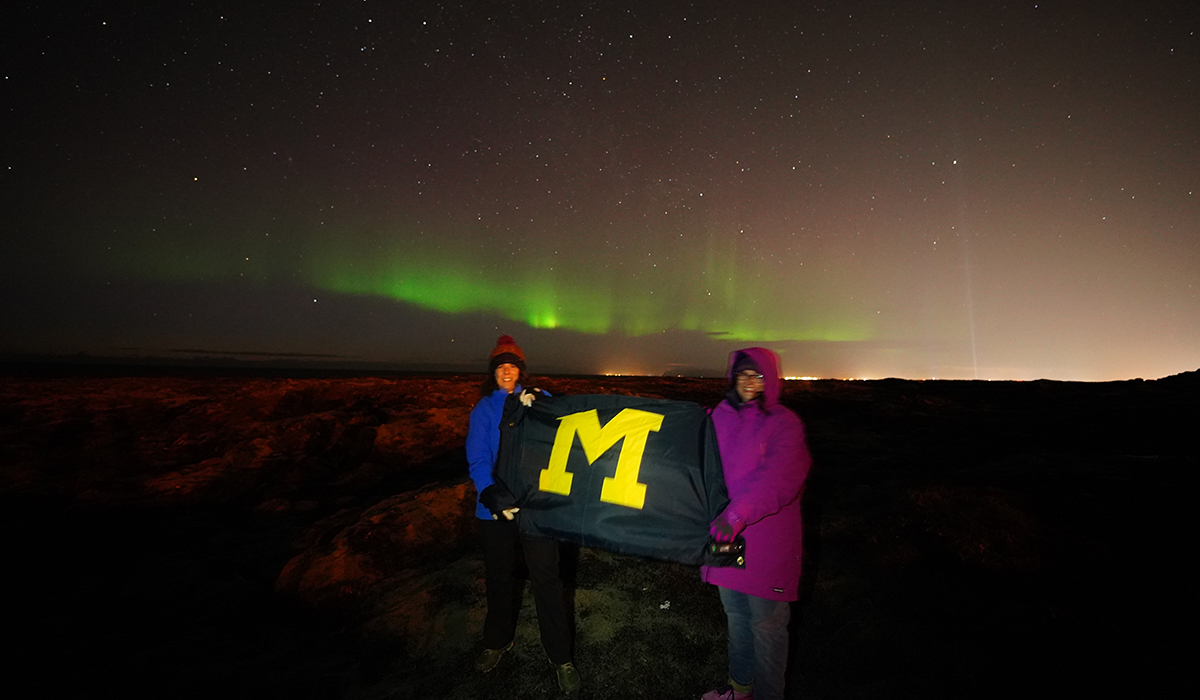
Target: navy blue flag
(627, 474)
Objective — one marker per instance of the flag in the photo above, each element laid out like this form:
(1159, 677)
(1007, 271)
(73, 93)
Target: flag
(623, 473)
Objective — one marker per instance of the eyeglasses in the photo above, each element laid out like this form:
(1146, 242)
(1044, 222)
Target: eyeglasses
(750, 377)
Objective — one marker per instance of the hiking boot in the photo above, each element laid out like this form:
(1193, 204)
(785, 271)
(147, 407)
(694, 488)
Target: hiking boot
(568, 677)
(726, 692)
(488, 659)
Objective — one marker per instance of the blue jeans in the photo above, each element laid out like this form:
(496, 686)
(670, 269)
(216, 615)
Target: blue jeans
(758, 641)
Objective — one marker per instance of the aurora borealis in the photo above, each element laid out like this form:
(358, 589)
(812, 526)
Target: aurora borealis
(954, 190)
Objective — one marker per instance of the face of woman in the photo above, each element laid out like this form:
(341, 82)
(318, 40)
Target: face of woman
(507, 375)
(749, 384)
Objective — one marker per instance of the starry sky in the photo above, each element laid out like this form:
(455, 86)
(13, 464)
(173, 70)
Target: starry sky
(939, 189)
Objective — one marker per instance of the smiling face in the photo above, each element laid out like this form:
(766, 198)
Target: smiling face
(749, 384)
(507, 375)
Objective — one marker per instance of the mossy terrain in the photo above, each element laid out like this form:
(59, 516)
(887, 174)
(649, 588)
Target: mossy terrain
(206, 536)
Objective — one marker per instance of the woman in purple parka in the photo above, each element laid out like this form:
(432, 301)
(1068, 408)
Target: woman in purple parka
(765, 459)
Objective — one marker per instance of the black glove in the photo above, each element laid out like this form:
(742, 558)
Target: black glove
(497, 499)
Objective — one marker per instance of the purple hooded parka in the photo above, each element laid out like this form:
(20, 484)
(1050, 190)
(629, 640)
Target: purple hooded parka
(765, 459)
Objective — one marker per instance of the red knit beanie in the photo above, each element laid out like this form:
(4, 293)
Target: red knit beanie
(506, 350)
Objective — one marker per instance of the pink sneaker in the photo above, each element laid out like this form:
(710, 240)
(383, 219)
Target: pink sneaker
(726, 692)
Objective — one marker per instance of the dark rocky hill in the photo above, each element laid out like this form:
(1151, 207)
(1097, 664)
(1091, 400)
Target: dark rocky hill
(202, 536)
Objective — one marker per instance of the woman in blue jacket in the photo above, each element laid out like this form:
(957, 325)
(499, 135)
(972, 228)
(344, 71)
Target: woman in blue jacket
(499, 536)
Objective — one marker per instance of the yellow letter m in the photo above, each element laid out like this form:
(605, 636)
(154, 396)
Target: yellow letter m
(623, 487)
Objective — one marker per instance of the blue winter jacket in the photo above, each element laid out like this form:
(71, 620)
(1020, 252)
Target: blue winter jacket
(483, 443)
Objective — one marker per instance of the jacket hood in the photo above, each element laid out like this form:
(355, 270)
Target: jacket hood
(768, 364)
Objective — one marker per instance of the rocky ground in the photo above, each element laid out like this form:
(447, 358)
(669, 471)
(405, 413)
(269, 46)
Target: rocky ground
(206, 536)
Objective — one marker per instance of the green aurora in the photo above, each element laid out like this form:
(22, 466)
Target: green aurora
(710, 295)
(714, 289)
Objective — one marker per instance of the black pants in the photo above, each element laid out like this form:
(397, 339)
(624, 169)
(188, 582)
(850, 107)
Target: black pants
(499, 539)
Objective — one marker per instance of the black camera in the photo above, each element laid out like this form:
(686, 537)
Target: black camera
(726, 553)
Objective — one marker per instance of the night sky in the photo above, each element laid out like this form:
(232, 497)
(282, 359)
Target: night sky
(927, 189)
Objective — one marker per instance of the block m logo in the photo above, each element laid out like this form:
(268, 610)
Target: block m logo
(623, 487)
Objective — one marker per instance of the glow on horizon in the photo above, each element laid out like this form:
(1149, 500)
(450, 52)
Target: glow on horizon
(575, 289)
